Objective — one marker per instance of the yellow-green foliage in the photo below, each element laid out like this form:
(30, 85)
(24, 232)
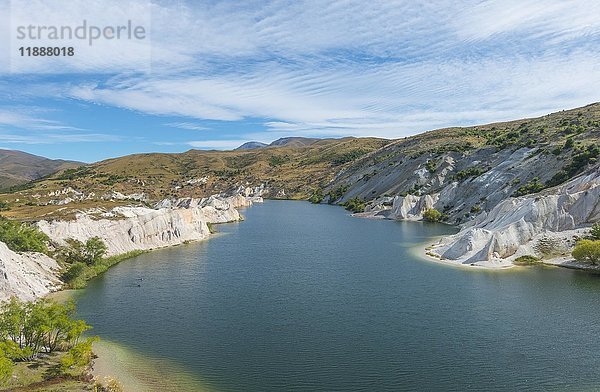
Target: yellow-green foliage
(6, 369)
(22, 237)
(587, 251)
(433, 215)
(78, 357)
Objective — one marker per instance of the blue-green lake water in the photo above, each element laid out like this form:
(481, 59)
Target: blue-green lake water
(305, 297)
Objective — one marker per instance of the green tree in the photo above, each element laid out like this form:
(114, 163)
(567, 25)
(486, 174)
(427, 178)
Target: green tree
(91, 252)
(6, 369)
(22, 237)
(433, 215)
(587, 251)
(79, 356)
(95, 249)
(355, 205)
(595, 232)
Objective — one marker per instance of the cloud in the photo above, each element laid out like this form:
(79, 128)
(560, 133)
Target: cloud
(336, 68)
(216, 144)
(57, 138)
(187, 125)
(28, 118)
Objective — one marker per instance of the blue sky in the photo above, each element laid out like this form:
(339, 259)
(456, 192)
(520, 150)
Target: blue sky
(216, 74)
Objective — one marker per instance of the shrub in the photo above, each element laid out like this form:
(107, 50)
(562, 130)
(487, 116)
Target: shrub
(22, 237)
(91, 252)
(526, 260)
(317, 196)
(587, 251)
(595, 232)
(277, 160)
(79, 356)
(469, 172)
(355, 205)
(532, 186)
(73, 272)
(431, 166)
(337, 193)
(433, 215)
(569, 143)
(348, 156)
(6, 370)
(4, 206)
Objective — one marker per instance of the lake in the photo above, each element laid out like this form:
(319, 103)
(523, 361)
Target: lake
(305, 297)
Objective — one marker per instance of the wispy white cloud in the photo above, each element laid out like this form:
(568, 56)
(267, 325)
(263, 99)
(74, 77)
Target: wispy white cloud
(30, 118)
(335, 68)
(216, 144)
(53, 138)
(187, 125)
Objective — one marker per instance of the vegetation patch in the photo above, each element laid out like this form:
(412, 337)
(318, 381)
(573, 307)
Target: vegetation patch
(22, 237)
(527, 260)
(355, 205)
(45, 335)
(587, 251)
(433, 215)
(317, 196)
(533, 186)
(84, 261)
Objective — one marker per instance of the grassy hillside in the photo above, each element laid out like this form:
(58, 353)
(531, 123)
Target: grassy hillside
(17, 167)
(473, 168)
(289, 172)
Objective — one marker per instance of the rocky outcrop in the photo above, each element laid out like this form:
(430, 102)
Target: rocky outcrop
(26, 275)
(125, 229)
(527, 225)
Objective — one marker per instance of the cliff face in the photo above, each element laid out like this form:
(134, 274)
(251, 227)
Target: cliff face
(26, 275)
(125, 229)
(542, 225)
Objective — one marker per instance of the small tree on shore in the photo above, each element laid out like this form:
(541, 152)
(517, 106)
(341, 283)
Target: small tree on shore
(91, 252)
(433, 215)
(587, 251)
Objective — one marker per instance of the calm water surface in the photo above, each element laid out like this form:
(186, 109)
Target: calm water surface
(305, 297)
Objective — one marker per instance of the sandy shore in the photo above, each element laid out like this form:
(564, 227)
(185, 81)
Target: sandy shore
(423, 252)
(138, 372)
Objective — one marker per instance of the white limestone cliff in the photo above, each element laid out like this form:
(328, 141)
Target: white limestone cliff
(126, 229)
(26, 275)
(522, 226)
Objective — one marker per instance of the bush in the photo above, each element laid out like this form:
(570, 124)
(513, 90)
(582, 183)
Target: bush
(73, 272)
(317, 196)
(431, 166)
(526, 260)
(595, 232)
(587, 251)
(355, 205)
(30, 328)
(6, 370)
(22, 237)
(433, 215)
(91, 252)
(4, 206)
(470, 172)
(79, 356)
(532, 186)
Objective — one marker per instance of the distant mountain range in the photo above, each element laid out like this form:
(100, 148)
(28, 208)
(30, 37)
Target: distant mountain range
(292, 142)
(17, 167)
